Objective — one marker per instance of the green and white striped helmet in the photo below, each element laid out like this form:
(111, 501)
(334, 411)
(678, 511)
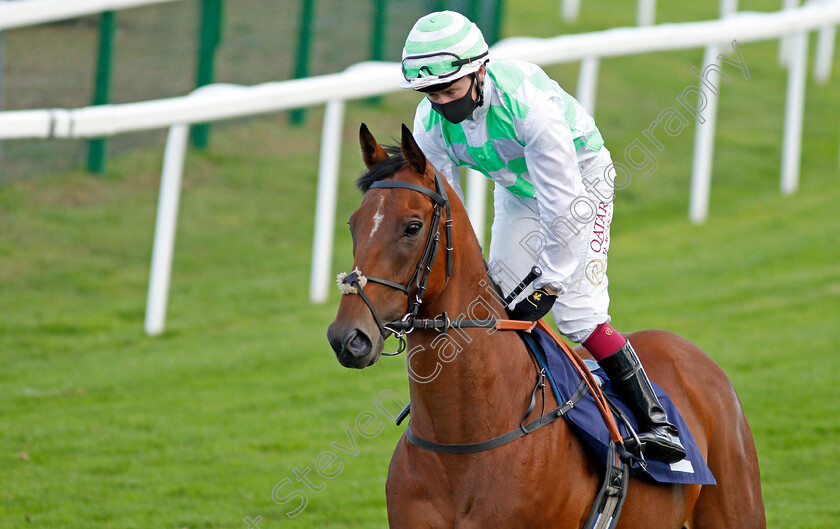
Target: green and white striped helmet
(442, 47)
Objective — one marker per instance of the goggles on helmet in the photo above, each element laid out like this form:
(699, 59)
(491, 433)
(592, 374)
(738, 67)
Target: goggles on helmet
(439, 64)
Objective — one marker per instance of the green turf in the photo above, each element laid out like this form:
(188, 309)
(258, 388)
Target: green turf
(101, 426)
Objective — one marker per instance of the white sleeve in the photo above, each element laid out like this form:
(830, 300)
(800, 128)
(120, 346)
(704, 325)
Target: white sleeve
(552, 165)
(435, 150)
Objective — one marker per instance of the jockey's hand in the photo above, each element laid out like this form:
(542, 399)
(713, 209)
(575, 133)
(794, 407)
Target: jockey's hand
(534, 307)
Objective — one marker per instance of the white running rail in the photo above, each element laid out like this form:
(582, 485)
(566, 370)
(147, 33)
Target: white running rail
(369, 79)
(25, 13)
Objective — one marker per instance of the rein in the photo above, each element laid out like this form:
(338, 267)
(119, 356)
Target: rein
(442, 324)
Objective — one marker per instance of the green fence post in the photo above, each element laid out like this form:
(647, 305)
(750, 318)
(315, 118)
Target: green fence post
(497, 22)
(377, 38)
(210, 36)
(307, 15)
(473, 11)
(97, 148)
(489, 18)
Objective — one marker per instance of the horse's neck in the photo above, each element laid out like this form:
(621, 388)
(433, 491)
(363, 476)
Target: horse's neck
(470, 384)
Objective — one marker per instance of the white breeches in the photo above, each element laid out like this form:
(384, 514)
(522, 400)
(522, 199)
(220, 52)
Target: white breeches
(515, 248)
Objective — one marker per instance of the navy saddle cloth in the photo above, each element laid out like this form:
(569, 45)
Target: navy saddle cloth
(587, 421)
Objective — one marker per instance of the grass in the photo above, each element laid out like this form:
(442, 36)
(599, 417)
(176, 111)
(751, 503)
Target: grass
(102, 426)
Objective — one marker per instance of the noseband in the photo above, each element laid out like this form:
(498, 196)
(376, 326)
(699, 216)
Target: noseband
(354, 282)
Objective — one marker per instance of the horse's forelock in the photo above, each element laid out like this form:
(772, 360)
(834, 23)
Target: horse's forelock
(384, 169)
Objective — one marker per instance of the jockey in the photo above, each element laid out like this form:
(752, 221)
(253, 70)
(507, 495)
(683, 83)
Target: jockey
(553, 196)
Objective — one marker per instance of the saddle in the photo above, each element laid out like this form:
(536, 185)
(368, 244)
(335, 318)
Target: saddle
(588, 422)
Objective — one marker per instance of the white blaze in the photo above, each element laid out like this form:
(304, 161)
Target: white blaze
(377, 217)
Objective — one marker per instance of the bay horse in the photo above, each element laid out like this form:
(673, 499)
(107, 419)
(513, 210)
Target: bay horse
(480, 387)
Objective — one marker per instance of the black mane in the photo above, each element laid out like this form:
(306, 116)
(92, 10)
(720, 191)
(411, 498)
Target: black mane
(384, 169)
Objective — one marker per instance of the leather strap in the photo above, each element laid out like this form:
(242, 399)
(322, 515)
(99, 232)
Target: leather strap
(366, 299)
(515, 325)
(472, 448)
(443, 324)
(391, 184)
(403, 288)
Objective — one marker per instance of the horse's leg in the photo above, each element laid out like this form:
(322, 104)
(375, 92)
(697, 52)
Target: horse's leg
(712, 410)
(736, 500)
(651, 504)
(410, 506)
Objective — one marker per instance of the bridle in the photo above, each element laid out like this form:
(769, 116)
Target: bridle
(356, 281)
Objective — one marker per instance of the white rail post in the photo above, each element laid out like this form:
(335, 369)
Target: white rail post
(587, 87)
(570, 10)
(728, 7)
(704, 145)
(477, 202)
(825, 54)
(785, 41)
(645, 12)
(322, 242)
(165, 226)
(1, 100)
(794, 107)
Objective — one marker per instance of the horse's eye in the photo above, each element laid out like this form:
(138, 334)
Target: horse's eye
(413, 228)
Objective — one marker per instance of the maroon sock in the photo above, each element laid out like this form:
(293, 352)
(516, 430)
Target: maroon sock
(603, 341)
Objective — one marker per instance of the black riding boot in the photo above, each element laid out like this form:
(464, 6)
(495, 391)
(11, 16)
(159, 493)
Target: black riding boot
(660, 439)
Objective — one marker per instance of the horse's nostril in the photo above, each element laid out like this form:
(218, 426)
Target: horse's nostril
(335, 340)
(357, 343)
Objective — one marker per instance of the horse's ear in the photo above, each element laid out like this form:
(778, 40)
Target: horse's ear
(411, 151)
(372, 152)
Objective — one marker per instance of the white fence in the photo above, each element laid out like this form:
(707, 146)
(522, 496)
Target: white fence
(645, 10)
(217, 102)
(31, 12)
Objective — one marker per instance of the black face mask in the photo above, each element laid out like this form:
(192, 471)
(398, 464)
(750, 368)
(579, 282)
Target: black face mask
(459, 109)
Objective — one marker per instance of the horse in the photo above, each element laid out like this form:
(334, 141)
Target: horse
(477, 384)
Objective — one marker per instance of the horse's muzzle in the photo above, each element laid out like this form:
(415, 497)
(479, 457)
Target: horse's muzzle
(353, 347)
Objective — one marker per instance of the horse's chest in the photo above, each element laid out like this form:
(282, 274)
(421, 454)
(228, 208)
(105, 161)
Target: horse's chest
(506, 489)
